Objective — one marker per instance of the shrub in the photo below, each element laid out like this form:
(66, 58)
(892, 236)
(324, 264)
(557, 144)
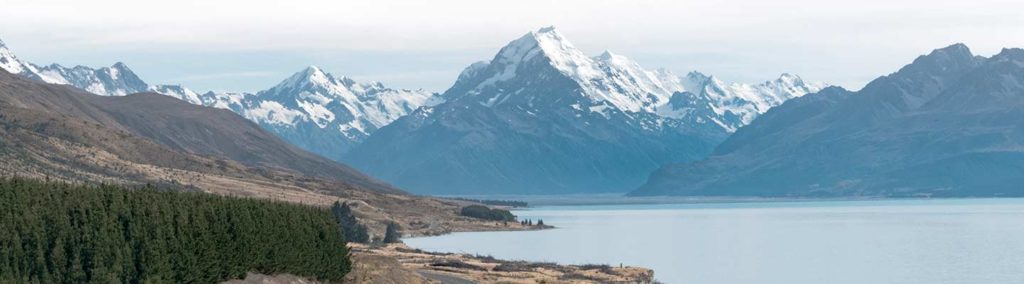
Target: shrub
(457, 264)
(391, 234)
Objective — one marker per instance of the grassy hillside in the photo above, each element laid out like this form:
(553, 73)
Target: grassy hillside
(146, 129)
(60, 233)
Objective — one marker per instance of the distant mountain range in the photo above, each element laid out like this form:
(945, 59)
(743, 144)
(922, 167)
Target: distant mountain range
(948, 124)
(323, 113)
(311, 109)
(543, 117)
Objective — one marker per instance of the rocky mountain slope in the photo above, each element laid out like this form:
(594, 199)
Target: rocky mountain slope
(542, 117)
(948, 124)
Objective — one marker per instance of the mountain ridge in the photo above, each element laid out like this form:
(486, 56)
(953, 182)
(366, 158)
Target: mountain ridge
(947, 124)
(171, 123)
(313, 109)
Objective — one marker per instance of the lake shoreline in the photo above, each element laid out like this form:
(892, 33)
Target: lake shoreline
(848, 241)
(475, 268)
(400, 261)
(621, 199)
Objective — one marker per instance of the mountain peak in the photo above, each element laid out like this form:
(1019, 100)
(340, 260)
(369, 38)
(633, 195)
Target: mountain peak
(958, 48)
(608, 56)
(949, 60)
(1014, 54)
(548, 34)
(121, 73)
(548, 29)
(790, 79)
(312, 71)
(10, 62)
(311, 74)
(544, 44)
(955, 53)
(548, 39)
(120, 67)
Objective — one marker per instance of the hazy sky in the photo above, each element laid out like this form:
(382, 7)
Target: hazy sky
(249, 45)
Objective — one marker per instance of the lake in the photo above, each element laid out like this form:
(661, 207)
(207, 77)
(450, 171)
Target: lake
(880, 241)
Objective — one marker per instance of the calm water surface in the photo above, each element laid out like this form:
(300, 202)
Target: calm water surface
(891, 241)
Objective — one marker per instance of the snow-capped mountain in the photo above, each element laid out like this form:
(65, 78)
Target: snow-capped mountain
(543, 117)
(11, 63)
(732, 105)
(312, 109)
(116, 80)
(177, 91)
(323, 113)
(618, 81)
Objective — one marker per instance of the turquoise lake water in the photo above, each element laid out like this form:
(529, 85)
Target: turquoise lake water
(882, 241)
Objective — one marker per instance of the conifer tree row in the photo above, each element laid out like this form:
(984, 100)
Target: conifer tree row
(60, 233)
(348, 224)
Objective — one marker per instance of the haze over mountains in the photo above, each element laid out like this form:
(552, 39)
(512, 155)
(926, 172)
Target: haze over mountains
(948, 124)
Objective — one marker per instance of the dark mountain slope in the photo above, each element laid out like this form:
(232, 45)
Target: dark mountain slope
(949, 124)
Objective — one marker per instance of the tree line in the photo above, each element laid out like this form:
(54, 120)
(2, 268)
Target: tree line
(509, 203)
(356, 232)
(483, 212)
(54, 232)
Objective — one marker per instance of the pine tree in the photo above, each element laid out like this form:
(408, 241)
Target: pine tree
(348, 224)
(391, 234)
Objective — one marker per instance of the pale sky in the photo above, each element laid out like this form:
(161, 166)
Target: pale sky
(236, 45)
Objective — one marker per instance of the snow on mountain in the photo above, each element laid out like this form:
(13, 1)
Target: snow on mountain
(734, 105)
(177, 91)
(624, 84)
(539, 101)
(116, 80)
(611, 78)
(313, 109)
(11, 63)
(947, 124)
(320, 112)
(357, 109)
(544, 117)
